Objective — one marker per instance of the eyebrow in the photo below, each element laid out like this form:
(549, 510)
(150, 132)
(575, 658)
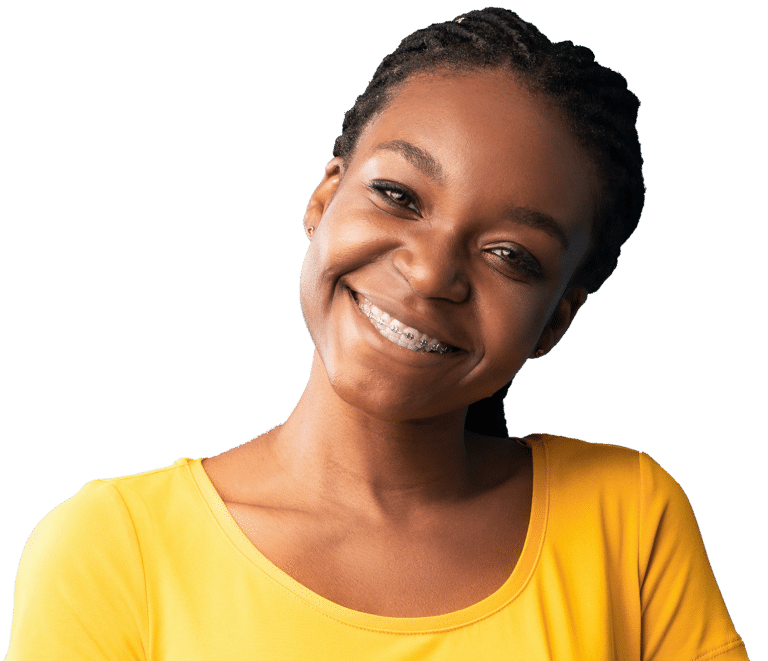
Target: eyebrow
(416, 156)
(429, 165)
(538, 220)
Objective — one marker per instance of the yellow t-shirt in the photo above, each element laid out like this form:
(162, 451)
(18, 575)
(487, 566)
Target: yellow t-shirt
(152, 567)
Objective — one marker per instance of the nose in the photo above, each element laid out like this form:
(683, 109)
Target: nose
(433, 268)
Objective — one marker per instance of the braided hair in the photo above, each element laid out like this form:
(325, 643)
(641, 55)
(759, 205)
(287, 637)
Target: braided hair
(594, 101)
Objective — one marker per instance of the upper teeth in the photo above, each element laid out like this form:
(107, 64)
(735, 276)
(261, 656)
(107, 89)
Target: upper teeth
(396, 331)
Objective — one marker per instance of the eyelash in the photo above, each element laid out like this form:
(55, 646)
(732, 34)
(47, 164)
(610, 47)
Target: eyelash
(384, 188)
(518, 259)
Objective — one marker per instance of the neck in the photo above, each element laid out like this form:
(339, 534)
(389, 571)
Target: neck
(349, 456)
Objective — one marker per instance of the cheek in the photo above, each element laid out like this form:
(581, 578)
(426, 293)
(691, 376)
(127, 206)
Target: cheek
(308, 271)
(309, 288)
(335, 250)
(513, 328)
(518, 316)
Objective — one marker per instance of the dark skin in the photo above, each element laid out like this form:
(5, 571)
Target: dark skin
(464, 213)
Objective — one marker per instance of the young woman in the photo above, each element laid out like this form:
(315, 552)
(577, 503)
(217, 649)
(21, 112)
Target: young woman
(480, 191)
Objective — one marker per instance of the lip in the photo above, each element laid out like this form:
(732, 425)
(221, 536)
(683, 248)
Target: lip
(409, 319)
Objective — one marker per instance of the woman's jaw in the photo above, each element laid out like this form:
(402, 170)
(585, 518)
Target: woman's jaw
(372, 371)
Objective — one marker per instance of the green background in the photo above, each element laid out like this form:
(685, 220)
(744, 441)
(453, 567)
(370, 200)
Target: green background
(155, 162)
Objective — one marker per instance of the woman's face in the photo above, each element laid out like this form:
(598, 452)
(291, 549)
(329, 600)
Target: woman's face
(462, 215)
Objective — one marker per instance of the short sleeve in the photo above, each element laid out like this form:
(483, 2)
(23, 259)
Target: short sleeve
(684, 617)
(80, 590)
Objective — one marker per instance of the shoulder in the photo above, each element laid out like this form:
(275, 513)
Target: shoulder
(167, 489)
(599, 476)
(102, 512)
(81, 587)
(614, 462)
(569, 459)
(97, 535)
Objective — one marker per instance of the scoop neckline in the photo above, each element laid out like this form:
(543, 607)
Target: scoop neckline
(505, 594)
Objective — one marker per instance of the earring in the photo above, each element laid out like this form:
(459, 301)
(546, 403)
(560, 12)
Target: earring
(310, 231)
(539, 353)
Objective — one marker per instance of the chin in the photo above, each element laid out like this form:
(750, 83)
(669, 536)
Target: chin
(386, 401)
(389, 402)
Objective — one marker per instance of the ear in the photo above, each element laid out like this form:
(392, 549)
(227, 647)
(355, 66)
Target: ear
(323, 195)
(560, 320)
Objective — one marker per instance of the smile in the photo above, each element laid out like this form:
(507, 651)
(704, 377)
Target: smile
(398, 332)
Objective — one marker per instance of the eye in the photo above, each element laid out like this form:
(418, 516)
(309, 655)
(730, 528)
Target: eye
(396, 194)
(518, 259)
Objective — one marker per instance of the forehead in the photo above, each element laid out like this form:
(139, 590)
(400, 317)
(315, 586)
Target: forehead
(495, 141)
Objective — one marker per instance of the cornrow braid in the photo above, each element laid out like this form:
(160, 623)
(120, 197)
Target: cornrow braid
(594, 101)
